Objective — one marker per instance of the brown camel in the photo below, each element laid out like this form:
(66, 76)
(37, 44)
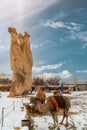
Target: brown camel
(53, 104)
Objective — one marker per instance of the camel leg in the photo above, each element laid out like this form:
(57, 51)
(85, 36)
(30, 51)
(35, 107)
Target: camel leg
(66, 114)
(63, 117)
(53, 116)
(55, 119)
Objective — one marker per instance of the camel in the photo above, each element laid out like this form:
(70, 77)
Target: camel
(53, 104)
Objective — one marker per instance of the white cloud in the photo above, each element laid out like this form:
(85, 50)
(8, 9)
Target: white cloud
(48, 75)
(73, 35)
(84, 46)
(36, 46)
(75, 26)
(47, 67)
(4, 47)
(65, 74)
(70, 26)
(80, 35)
(54, 24)
(81, 71)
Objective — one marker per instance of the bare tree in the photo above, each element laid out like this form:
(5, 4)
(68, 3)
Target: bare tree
(53, 81)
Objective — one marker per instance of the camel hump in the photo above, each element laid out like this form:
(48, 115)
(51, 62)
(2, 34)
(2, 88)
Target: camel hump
(67, 101)
(62, 101)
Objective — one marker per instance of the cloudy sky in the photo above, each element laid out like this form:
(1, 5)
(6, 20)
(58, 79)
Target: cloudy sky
(58, 30)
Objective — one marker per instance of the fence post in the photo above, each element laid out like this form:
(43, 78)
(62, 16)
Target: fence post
(22, 100)
(13, 106)
(2, 116)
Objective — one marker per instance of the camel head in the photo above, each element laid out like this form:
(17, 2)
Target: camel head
(27, 107)
(36, 103)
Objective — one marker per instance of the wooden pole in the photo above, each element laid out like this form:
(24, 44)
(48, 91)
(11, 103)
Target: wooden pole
(22, 101)
(2, 116)
(13, 106)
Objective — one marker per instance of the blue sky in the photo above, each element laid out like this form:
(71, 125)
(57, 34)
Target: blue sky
(58, 30)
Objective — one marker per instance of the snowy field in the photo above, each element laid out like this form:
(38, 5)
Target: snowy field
(11, 113)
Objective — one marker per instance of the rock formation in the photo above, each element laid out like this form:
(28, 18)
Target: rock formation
(28, 60)
(20, 63)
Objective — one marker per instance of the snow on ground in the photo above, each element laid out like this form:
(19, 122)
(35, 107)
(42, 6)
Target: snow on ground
(11, 109)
